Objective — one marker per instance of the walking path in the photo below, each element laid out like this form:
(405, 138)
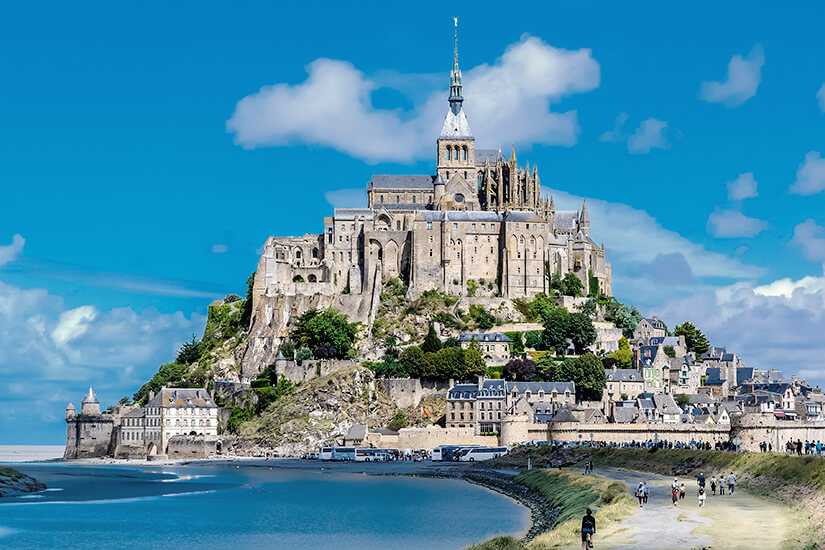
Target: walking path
(731, 522)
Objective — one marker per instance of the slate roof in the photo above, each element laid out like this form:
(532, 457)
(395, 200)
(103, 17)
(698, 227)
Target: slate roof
(138, 412)
(493, 387)
(714, 376)
(672, 341)
(389, 181)
(647, 360)
(623, 375)
(403, 206)
(714, 353)
(456, 126)
(90, 397)
(625, 415)
(352, 213)
(534, 387)
(484, 337)
(656, 323)
(182, 398)
(665, 404)
(567, 220)
(491, 155)
(743, 374)
(564, 415)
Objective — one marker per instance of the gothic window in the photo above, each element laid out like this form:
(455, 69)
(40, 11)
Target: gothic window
(464, 150)
(297, 253)
(398, 225)
(382, 199)
(448, 174)
(465, 172)
(449, 152)
(314, 252)
(397, 199)
(413, 199)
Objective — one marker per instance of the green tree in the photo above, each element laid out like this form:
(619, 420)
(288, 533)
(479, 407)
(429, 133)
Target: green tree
(556, 284)
(432, 343)
(540, 307)
(303, 354)
(474, 363)
(669, 351)
(167, 375)
(555, 330)
(590, 308)
(695, 339)
(532, 339)
(546, 367)
(572, 285)
(593, 284)
(517, 344)
(587, 372)
(623, 357)
(581, 331)
(626, 318)
(189, 352)
(287, 349)
(683, 399)
(326, 327)
(410, 359)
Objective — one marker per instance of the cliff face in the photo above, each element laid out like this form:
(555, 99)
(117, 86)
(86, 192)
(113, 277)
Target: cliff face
(318, 411)
(13, 482)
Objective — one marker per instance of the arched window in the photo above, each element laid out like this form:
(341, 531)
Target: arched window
(314, 252)
(413, 199)
(398, 225)
(449, 152)
(298, 253)
(464, 152)
(382, 199)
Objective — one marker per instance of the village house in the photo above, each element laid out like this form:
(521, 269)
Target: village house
(495, 346)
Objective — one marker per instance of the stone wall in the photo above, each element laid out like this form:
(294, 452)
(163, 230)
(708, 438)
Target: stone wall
(627, 433)
(196, 446)
(311, 369)
(753, 429)
(408, 392)
(89, 436)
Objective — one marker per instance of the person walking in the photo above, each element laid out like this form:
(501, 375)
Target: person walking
(640, 493)
(647, 491)
(731, 483)
(674, 491)
(702, 496)
(722, 485)
(713, 485)
(701, 480)
(588, 529)
(682, 491)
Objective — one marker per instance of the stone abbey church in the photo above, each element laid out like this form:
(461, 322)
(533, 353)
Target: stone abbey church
(479, 217)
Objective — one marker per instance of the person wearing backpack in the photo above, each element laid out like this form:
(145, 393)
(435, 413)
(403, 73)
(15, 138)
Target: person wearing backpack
(588, 529)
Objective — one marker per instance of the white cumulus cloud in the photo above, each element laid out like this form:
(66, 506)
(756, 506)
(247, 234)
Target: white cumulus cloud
(10, 252)
(73, 323)
(732, 223)
(508, 100)
(810, 176)
(649, 135)
(743, 187)
(616, 134)
(744, 76)
(811, 238)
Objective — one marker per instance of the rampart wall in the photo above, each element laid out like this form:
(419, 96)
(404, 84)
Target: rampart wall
(311, 369)
(408, 392)
(89, 436)
(753, 429)
(430, 437)
(195, 446)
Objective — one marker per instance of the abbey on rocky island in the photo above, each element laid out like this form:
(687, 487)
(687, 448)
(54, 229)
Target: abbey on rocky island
(479, 217)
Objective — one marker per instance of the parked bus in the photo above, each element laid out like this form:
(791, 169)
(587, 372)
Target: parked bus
(325, 453)
(449, 452)
(371, 454)
(483, 453)
(343, 453)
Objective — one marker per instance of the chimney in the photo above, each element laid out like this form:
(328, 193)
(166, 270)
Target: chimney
(655, 318)
(151, 395)
(480, 381)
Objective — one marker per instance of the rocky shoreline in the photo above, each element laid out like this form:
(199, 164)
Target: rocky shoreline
(13, 483)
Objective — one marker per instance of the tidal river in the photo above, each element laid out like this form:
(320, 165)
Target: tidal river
(271, 504)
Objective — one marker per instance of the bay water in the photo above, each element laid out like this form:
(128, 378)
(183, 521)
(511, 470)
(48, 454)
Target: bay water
(274, 504)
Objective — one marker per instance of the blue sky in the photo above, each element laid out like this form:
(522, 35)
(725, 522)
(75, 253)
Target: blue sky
(147, 151)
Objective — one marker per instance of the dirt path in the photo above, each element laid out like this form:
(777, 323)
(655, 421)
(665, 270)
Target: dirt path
(730, 522)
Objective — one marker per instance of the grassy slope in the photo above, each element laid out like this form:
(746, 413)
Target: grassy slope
(10, 474)
(799, 482)
(574, 494)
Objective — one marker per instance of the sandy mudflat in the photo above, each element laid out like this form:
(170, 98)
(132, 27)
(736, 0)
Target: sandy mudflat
(30, 453)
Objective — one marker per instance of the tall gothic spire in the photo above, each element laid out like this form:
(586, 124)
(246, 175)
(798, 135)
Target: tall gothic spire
(456, 99)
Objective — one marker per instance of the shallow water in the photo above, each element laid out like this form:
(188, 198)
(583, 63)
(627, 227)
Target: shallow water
(222, 506)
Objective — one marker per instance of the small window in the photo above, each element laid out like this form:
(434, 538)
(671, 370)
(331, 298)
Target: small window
(397, 199)
(381, 199)
(429, 225)
(414, 203)
(474, 227)
(483, 226)
(431, 253)
(516, 226)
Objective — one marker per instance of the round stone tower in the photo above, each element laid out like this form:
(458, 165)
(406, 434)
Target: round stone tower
(70, 411)
(90, 405)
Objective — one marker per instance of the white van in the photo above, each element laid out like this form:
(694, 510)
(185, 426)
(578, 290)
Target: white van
(483, 453)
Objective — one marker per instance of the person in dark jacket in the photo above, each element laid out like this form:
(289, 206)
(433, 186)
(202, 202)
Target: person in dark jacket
(588, 529)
